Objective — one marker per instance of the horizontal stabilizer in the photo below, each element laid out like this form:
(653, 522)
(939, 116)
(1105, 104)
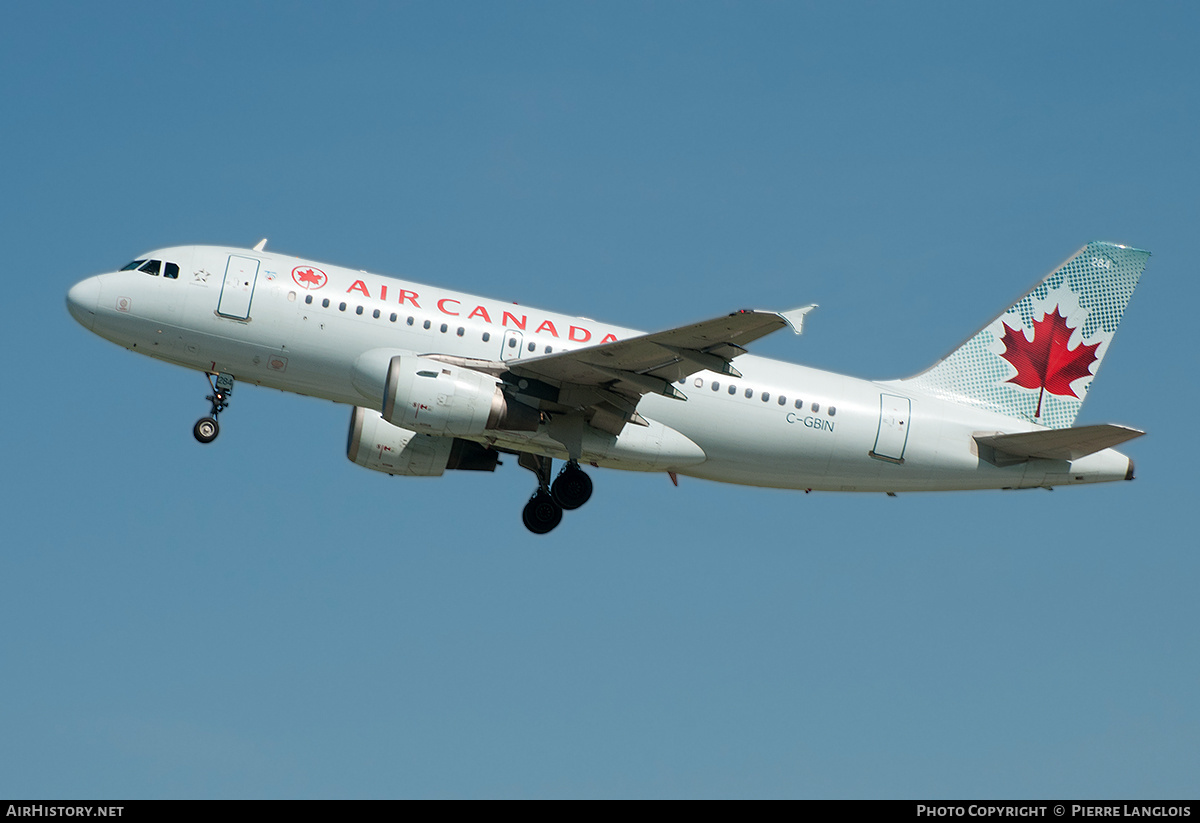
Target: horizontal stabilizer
(1058, 444)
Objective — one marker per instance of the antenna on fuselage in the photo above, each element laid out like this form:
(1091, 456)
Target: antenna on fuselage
(262, 244)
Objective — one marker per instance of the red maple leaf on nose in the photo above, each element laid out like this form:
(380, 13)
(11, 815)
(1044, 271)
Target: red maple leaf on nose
(1045, 362)
(308, 276)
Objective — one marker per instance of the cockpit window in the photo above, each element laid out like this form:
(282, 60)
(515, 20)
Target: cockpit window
(151, 267)
(134, 265)
(171, 270)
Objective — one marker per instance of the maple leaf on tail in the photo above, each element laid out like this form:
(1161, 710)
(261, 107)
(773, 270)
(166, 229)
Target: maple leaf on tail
(1045, 363)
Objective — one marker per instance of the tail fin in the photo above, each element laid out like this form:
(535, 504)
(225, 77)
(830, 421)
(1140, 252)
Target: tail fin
(1036, 361)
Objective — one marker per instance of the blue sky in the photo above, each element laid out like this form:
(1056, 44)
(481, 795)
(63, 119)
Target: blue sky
(262, 618)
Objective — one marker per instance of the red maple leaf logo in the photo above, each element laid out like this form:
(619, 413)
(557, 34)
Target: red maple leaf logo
(308, 277)
(1045, 362)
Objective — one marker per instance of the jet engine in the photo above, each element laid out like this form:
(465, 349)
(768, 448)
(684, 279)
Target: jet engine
(378, 445)
(432, 397)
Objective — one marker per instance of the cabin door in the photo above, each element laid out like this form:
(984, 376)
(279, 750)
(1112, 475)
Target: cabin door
(238, 289)
(892, 436)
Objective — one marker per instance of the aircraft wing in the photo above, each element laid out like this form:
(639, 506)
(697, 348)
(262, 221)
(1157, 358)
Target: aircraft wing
(606, 381)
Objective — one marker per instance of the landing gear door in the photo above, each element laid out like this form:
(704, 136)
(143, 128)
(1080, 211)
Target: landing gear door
(892, 437)
(238, 288)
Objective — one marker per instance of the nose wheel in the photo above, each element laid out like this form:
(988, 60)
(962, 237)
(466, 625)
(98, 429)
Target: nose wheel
(207, 428)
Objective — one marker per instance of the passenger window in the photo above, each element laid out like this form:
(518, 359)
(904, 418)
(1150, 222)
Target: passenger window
(548, 350)
(816, 407)
(733, 389)
(410, 321)
(308, 299)
(460, 331)
(171, 272)
(325, 303)
(699, 382)
(800, 404)
(486, 337)
(832, 411)
(444, 327)
(358, 310)
(375, 314)
(512, 342)
(716, 386)
(393, 317)
(427, 325)
(532, 346)
(766, 396)
(151, 267)
(341, 306)
(782, 400)
(749, 393)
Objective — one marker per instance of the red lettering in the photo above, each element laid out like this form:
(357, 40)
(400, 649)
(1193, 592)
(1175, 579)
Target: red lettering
(548, 326)
(520, 324)
(359, 286)
(405, 294)
(480, 311)
(587, 335)
(609, 338)
(383, 292)
(445, 310)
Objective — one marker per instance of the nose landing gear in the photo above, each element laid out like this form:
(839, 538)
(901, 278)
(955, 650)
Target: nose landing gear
(206, 428)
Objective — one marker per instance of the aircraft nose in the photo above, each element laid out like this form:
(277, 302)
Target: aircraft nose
(82, 299)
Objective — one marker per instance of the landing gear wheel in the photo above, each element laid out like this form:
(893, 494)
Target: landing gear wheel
(206, 430)
(541, 513)
(572, 488)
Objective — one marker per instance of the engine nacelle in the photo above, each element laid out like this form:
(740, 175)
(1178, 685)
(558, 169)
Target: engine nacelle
(432, 397)
(378, 445)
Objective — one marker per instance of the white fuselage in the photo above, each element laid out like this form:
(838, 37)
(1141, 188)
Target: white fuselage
(782, 425)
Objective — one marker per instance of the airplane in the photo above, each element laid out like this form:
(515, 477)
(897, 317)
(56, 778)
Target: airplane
(440, 380)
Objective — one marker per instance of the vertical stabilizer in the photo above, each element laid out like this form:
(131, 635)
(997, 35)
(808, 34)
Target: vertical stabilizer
(1036, 361)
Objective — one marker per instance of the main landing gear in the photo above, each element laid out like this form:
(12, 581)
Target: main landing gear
(572, 487)
(570, 490)
(206, 428)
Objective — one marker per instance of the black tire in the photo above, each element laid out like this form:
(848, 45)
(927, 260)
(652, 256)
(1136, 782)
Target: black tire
(541, 513)
(572, 488)
(206, 429)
